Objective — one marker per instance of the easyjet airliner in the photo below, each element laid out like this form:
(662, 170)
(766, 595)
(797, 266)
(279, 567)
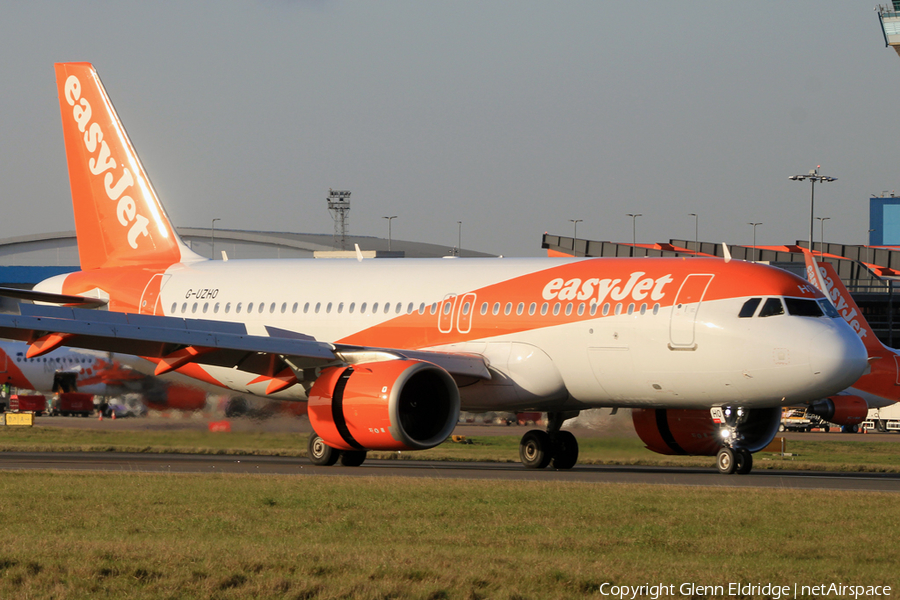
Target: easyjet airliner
(387, 352)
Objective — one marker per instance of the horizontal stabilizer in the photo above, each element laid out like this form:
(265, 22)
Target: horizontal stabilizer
(64, 299)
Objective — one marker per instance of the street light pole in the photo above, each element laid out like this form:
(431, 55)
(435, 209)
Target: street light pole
(389, 219)
(213, 236)
(575, 233)
(822, 238)
(813, 177)
(696, 232)
(458, 237)
(634, 217)
(754, 238)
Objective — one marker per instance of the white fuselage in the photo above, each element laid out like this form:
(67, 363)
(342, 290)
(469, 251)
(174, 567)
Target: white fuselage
(642, 346)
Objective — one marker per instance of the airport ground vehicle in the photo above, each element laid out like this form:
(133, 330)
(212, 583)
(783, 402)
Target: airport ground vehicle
(72, 404)
(33, 403)
(884, 419)
(799, 419)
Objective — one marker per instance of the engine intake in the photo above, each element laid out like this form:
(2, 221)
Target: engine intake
(390, 405)
(841, 410)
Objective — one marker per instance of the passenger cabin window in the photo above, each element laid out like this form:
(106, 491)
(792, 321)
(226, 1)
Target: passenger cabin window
(772, 307)
(749, 308)
(803, 307)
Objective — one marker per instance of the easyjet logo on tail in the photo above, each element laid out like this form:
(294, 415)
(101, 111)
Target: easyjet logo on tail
(104, 164)
(637, 286)
(844, 308)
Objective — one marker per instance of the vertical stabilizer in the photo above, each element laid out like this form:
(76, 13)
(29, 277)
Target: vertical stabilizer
(118, 217)
(824, 277)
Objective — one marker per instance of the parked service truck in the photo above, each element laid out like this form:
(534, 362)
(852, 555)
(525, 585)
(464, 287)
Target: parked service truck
(883, 419)
(798, 419)
(19, 403)
(74, 404)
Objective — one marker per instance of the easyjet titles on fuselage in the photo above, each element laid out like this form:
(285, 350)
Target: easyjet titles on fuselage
(126, 208)
(638, 286)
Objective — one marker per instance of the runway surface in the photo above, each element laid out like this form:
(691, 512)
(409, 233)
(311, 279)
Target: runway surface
(273, 465)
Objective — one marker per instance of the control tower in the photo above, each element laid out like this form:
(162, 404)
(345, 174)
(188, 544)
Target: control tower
(339, 205)
(889, 15)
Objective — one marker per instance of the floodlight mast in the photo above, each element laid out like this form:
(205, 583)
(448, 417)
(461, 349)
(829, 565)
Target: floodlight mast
(813, 177)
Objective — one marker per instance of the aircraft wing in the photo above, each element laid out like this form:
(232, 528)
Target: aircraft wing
(176, 342)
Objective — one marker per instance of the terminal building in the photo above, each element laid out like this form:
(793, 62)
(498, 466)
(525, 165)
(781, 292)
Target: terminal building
(868, 272)
(26, 260)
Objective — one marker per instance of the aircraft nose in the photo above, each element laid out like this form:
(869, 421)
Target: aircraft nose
(838, 356)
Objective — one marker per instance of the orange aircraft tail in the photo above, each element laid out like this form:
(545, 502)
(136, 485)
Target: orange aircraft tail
(119, 220)
(824, 277)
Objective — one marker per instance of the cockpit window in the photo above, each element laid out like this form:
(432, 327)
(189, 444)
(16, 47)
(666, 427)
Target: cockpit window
(801, 307)
(772, 307)
(749, 308)
(829, 309)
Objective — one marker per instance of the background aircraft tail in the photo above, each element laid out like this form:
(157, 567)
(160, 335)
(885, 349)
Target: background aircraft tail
(119, 220)
(824, 277)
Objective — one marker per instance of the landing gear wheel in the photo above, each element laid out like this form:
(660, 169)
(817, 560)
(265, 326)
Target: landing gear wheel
(353, 458)
(536, 449)
(743, 460)
(565, 450)
(725, 461)
(320, 453)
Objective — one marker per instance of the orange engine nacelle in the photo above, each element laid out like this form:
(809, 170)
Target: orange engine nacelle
(679, 431)
(841, 410)
(391, 405)
(178, 397)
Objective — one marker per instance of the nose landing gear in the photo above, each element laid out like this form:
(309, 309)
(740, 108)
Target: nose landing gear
(732, 457)
(734, 460)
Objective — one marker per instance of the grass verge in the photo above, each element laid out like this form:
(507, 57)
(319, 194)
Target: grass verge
(95, 535)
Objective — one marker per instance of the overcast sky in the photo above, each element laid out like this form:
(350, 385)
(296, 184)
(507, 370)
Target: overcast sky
(510, 116)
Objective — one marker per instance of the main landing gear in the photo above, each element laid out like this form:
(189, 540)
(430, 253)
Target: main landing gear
(539, 449)
(323, 455)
